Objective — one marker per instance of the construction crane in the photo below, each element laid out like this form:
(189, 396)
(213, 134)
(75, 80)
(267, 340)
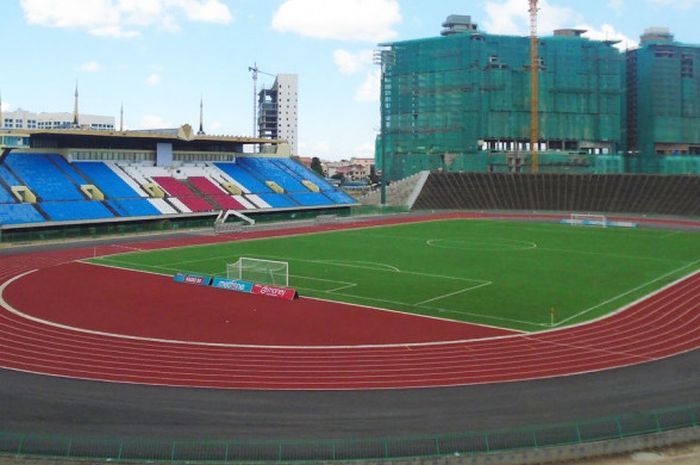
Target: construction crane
(534, 89)
(255, 70)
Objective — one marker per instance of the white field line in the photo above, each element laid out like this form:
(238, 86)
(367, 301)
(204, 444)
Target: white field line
(495, 246)
(380, 265)
(387, 270)
(516, 332)
(641, 286)
(14, 311)
(490, 317)
(609, 255)
(444, 296)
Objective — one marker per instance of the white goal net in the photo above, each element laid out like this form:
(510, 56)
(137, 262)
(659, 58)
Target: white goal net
(587, 219)
(259, 271)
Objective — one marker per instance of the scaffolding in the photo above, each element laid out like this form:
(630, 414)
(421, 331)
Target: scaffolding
(663, 104)
(451, 102)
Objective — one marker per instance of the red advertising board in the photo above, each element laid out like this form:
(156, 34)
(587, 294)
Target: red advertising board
(285, 293)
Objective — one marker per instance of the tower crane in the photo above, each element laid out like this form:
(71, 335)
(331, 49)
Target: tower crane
(255, 70)
(534, 89)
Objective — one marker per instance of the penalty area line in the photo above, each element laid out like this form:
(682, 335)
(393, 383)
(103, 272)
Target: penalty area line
(461, 291)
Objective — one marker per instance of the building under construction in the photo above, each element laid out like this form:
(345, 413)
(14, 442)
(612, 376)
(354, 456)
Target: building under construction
(663, 104)
(461, 102)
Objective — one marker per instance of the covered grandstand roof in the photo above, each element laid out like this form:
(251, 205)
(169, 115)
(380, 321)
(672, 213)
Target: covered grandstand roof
(181, 138)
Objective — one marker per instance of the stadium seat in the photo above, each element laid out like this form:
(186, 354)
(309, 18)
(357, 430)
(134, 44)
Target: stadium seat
(243, 177)
(278, 200)
(311, 199)
(106, 180)
(266, 169)
(5, 196)
(76, 210)
(19, 213)
(133, 207)
(43, 177)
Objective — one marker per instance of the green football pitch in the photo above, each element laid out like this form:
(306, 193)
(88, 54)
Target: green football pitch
(499, 273)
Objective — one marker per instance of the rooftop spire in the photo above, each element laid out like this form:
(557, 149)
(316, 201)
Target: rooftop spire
(201, 116)
(75, 107)
(121, 117)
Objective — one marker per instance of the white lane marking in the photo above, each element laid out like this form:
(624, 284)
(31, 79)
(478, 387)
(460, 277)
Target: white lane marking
(42, 321)
(641, 286)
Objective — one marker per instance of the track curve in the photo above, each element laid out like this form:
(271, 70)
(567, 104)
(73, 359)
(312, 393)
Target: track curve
(660, 326)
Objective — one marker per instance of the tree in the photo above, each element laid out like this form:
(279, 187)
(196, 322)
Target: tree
(373, 178)
(316, 166)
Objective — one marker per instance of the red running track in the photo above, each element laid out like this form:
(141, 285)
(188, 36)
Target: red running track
(663, 325)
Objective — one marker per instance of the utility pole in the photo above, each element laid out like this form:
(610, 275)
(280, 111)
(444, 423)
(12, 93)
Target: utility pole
(534, 89)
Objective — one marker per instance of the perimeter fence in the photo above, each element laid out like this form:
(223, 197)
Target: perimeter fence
(233, 451)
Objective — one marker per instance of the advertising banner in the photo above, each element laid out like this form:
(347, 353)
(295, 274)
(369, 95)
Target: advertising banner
(233, 284)
(192, 278)
(274, 291)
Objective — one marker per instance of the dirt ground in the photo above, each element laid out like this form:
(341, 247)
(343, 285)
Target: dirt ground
(688, 454)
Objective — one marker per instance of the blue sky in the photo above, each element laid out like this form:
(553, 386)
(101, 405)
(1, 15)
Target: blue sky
(159, 56)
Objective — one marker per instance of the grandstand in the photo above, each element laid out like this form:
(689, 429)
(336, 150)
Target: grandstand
(613, 193)
(60, 177)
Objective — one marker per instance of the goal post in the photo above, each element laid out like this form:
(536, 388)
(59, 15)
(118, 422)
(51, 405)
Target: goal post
(587, 219)
(259, 271)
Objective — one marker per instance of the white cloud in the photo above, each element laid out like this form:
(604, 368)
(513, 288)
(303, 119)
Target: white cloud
(352, 20)
(319, 148)
(351, 63)
(208, 11)
(154, 122)
(512, 17)
(91, 67)
(122, 18)
(608, 32)
(5, 106)
(369, 89)
(153, 79)
(616, 5)
(365, 150)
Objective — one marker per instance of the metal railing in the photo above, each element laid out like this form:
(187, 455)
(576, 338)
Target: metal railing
(230, 451)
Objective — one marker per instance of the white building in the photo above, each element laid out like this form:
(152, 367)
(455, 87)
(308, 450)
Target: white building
(278, 110)
(23, 119)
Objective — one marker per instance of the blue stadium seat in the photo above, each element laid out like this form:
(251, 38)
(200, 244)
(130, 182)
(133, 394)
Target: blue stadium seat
(269, 171)
(340, 197)
(311, 199)
(67, 168)
(19, 213)
(301, 172)
(43, 177)
(5, 196)
(133, 207)
(106, 180)
(7, 176)
(278, 200)
(243, 177)
(79, 210)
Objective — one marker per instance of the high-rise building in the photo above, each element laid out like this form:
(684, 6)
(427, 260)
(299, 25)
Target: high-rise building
(461, 101)
(278, 110)
(663, 101)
